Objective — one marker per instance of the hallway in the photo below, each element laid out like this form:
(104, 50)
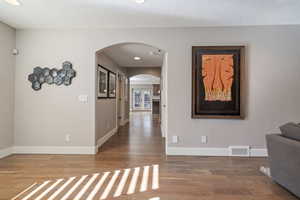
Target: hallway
(141, 137)
(133, 165)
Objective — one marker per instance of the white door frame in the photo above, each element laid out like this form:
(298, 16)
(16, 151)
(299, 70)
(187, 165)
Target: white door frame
(119, 94)
(164, 101)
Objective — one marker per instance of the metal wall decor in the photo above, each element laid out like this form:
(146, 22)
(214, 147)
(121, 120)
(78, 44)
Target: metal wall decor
(52, 76)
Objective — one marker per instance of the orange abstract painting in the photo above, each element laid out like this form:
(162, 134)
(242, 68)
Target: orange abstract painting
(217, 73)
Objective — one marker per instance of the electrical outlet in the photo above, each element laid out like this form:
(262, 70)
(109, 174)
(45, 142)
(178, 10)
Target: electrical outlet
(175, 139)
(204, 139)
(83, 98)
(68, 138)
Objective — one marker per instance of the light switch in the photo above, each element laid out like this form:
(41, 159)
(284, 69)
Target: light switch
(204, 139)
(68, 138)
(83, 98)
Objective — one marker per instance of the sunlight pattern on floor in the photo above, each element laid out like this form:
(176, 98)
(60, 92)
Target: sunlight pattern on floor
(96, 186)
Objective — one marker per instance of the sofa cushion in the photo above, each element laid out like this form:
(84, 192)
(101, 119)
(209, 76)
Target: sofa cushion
(291, 130)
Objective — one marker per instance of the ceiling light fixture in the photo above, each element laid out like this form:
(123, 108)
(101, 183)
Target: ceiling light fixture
(137, 58)
(140, 1)
(13, 2)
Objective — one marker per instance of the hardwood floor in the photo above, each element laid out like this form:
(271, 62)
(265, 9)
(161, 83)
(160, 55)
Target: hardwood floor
(136, 145)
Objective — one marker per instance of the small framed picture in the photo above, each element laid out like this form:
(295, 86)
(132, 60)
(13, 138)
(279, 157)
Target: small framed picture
(112, 80)
(102, 82)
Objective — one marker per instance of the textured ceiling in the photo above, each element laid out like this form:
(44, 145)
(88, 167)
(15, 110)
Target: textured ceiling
(153, 13)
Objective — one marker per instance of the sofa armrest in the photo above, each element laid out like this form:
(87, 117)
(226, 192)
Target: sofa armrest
(284, 158)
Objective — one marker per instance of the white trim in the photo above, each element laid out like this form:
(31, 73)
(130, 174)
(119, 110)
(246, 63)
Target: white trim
(6, 152)
(117, 101)
(106, 137)
(183, 151)
(58, 150)
(124, 122)
(164, 100)
(75, 150)
(162, 130)
(258, 153)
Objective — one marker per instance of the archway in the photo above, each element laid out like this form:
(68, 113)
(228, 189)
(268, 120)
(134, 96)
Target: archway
(115, 65)
(145, 93)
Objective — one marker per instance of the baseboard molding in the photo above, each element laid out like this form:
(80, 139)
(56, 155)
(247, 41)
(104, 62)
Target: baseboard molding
(171, 151)
(124, 122)
(258, 153)
(106, 137)
(75, 150)
(6, 152)
(58, 150)
(183, 151)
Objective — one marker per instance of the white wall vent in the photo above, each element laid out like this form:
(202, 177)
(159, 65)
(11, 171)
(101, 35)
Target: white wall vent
(239, 151)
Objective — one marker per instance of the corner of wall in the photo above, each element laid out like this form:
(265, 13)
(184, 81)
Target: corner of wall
(6, 152)
(105, 138)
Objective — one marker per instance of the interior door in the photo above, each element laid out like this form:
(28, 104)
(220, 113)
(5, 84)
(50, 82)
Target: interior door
(142, 99)
(147, 100)
(137, 99)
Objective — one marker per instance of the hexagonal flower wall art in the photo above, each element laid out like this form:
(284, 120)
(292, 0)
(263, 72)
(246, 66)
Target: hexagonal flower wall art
(63, 76)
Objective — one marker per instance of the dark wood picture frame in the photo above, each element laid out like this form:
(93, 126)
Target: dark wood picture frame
(102, 95)
(114, 94)
(217, 104)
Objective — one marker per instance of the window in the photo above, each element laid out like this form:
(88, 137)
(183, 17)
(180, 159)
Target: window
(142, 99)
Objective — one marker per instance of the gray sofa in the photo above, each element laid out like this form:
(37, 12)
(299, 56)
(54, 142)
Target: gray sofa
(284, 157)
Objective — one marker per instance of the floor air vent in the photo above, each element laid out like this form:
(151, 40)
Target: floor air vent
(240, 151)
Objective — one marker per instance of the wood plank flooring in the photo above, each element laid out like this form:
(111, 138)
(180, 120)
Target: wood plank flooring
(137, 145)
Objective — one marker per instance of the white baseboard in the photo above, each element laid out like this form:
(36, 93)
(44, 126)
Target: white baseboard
(259, 153)
(183, 151)
(68, 150)
(106, 137)
(79, 150)
(6, 152)
(172, 151)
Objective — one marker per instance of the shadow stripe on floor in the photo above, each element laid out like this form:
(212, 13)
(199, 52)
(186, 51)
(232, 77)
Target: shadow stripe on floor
(96, 186)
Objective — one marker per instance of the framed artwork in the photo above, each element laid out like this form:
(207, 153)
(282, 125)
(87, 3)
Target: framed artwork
(112, 80)
(216, 81)
(102, 82)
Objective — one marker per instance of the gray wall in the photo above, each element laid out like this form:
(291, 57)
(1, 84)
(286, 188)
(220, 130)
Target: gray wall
(43, 118)
(7, 67)
(272, 83)
(106, 108)
(133, 71)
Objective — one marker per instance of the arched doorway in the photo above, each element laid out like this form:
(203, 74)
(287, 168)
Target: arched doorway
(145, 93)
(115, 65)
